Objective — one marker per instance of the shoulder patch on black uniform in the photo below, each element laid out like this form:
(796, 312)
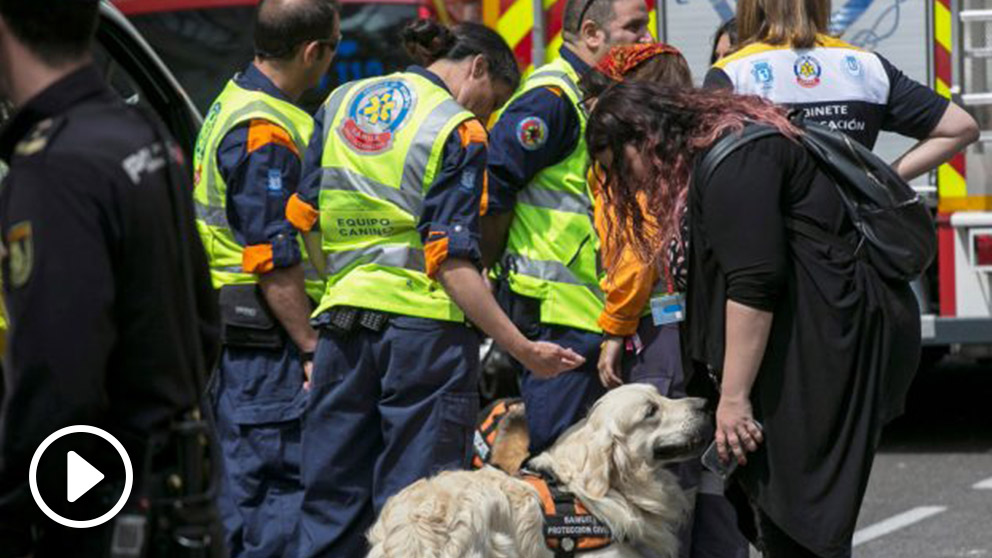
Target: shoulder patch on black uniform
(20, 248)
(36, 140)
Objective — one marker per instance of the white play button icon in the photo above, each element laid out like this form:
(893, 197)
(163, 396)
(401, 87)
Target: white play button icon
(80, 476)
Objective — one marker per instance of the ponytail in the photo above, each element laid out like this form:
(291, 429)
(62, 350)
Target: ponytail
(427, 41)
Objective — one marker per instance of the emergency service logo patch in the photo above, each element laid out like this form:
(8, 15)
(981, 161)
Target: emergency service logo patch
(762, 73)
(532, 133)
(853, 67)
(807, 70)
(375, 114)
(20, 247)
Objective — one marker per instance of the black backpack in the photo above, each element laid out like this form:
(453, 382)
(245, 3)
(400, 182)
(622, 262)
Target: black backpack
(897, 235)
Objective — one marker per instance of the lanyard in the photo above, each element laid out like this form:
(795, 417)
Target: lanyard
(669, 283)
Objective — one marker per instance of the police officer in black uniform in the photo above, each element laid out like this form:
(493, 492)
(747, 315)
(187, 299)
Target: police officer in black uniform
(110, 304)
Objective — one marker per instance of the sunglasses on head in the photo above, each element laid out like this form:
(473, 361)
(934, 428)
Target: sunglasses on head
(582, 14)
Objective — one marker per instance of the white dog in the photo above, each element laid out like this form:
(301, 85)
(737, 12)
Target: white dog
(612, 462)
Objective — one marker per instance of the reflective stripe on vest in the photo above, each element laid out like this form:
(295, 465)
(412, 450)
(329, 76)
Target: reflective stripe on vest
(234, 107)
(552, 246)
(383, 143)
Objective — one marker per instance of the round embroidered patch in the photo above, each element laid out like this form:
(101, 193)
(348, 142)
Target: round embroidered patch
(375, 114)
(807, 70)
(532, 133)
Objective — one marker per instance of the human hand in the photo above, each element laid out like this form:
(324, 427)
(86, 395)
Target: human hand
(736, 431)
(307, 373)
(610, 355)
(547, 360)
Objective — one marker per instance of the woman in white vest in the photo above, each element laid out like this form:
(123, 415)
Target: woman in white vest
(786, 57)
(394, 178)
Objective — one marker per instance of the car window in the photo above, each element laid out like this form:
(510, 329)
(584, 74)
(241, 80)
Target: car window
(118, 78)
(204, 48)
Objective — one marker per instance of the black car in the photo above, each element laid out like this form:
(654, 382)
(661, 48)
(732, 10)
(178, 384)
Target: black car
(204, 42)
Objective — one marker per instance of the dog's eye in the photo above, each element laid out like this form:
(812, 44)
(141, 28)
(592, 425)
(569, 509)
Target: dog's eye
(652, 411)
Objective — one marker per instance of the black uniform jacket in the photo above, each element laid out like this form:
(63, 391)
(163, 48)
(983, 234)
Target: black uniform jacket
(106, 329)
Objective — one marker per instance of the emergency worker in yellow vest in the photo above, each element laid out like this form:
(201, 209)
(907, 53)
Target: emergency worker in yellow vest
(248, 161)
(550, 273)
(395, 181)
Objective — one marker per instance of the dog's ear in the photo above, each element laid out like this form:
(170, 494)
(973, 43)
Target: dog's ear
(595, 476)
(583, 459)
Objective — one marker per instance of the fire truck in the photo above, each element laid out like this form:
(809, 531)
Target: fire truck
(944, 43)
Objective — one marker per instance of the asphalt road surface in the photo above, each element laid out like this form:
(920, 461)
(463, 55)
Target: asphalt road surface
(930, 493)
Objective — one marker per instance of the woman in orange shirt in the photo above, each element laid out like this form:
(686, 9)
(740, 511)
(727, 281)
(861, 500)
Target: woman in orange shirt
(630, 283)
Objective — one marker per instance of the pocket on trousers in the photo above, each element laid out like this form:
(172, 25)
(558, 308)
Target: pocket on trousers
(454, 443)
(270, 412)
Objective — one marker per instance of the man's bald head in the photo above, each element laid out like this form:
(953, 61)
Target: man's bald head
(282, 26)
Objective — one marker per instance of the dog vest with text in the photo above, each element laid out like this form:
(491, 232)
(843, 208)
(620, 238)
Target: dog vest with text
(569, 528)
(485, 434)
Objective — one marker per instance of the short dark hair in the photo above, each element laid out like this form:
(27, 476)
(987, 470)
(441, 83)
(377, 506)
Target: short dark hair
(57, 31)
(281, 26)
(599, 11)
(428, 41)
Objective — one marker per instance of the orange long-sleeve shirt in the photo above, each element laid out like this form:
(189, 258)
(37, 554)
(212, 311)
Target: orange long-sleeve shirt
(628, 286)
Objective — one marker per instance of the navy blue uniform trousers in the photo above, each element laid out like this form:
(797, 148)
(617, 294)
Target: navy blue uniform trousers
(386, 409)
(258, 401)
(556, 404)
(711, 531)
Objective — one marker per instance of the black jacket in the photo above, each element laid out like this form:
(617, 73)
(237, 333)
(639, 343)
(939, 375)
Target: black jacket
(105, 329)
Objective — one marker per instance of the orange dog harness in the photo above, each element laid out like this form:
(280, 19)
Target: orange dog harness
(485, 435)
(569, 528)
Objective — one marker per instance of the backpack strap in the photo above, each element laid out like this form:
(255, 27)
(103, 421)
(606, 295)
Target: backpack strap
(725, 146)
(809, 230)
(730, 143)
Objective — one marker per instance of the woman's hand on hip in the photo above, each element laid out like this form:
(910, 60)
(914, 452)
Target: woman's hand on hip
(736, 432)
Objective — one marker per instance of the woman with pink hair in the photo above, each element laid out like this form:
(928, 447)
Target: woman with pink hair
(798, 336)
(635, 349)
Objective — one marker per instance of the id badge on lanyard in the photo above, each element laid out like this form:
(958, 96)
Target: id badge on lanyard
(668, 308)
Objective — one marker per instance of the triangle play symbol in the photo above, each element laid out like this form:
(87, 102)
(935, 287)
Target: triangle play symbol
(80, 476)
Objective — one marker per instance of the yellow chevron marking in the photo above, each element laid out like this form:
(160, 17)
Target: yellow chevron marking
(554, 45)
(950, 183)
(516, 22)
(943, 89)
(942, 25)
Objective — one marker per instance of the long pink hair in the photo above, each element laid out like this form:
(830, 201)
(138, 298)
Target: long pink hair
(668, 128)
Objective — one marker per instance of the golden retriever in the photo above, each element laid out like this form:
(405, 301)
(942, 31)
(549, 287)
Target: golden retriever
(612, 461)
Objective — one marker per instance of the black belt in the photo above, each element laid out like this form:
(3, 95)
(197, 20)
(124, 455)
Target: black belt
(345, 319)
